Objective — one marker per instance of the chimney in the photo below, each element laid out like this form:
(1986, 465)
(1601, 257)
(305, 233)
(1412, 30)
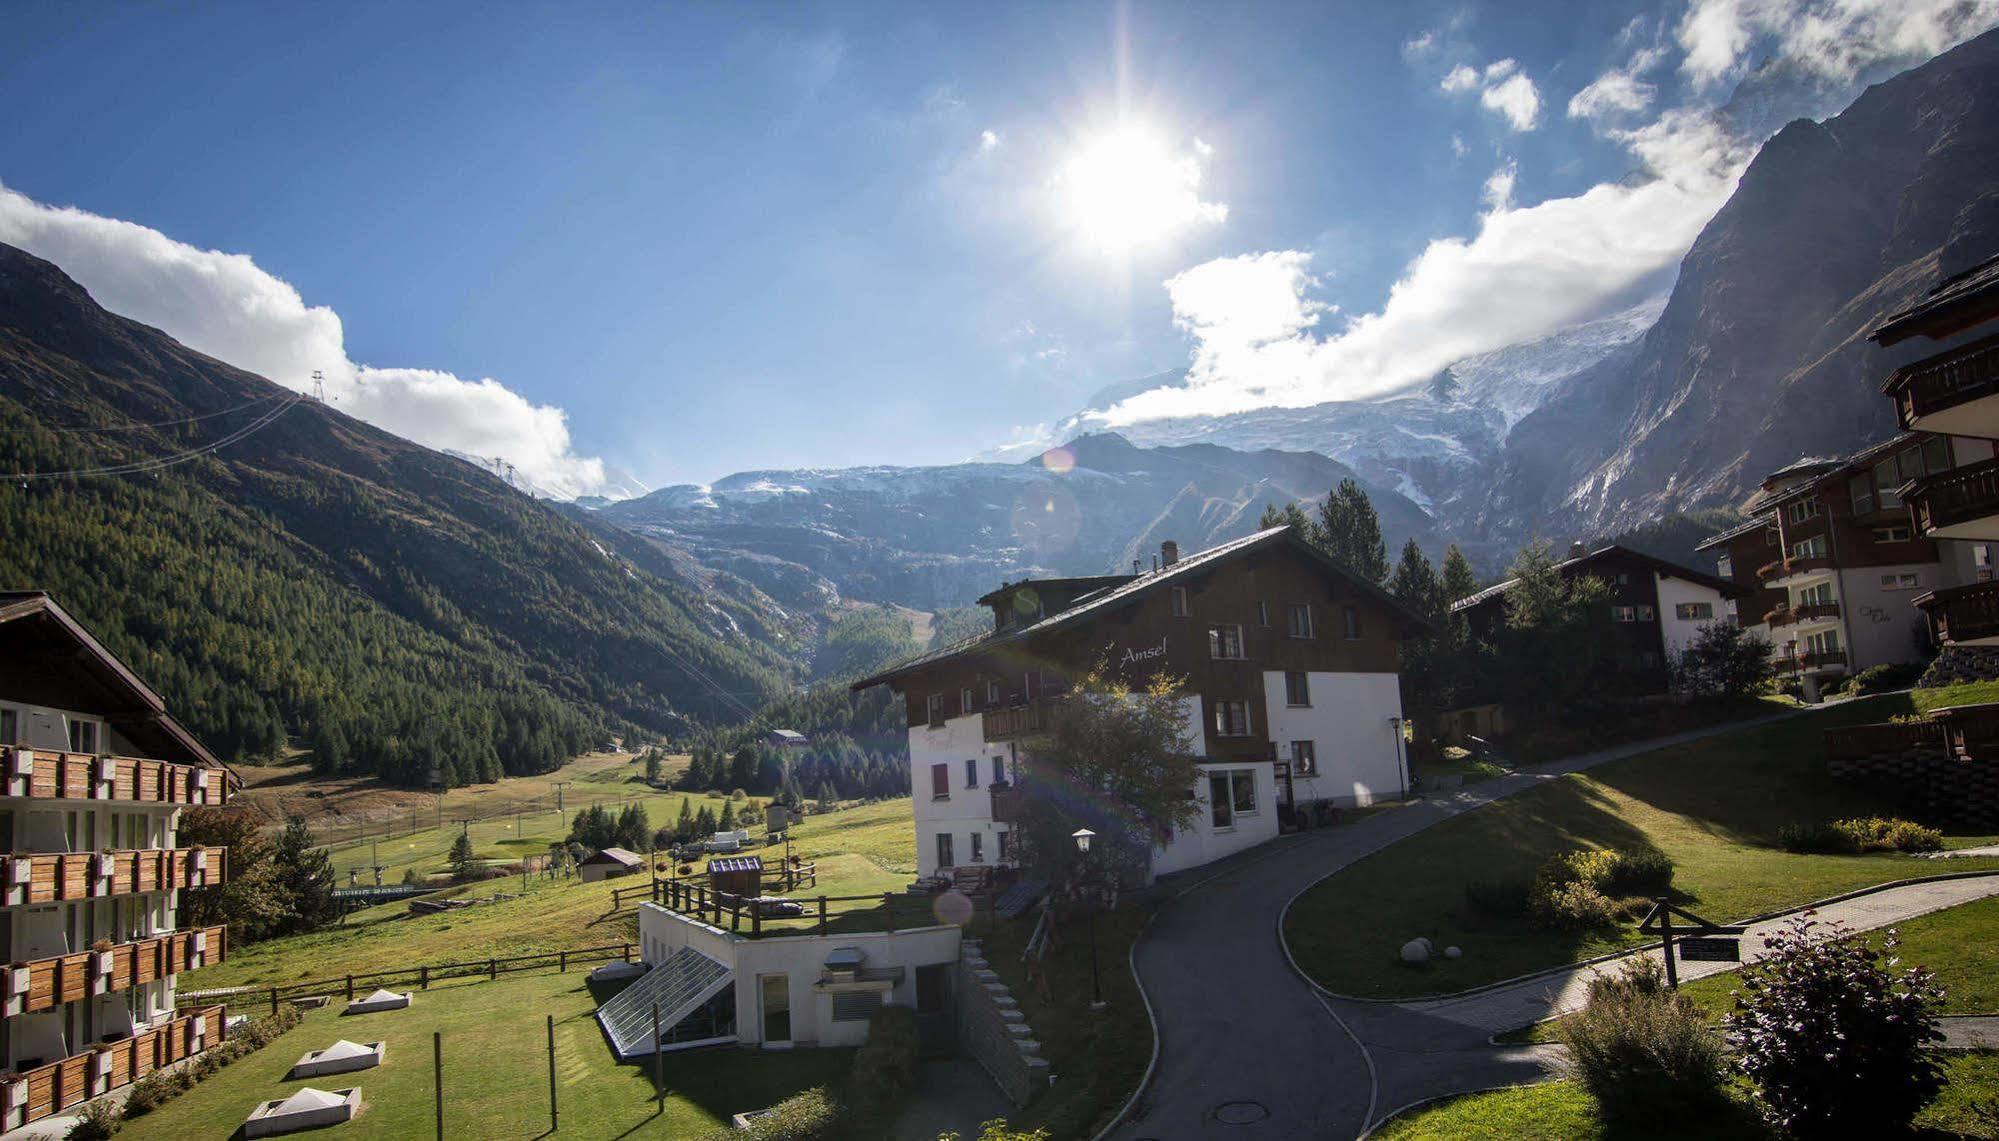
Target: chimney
(1577, 550)
(1169, 553)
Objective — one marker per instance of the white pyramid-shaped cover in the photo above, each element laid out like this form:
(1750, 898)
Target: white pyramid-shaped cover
(382, 996)
(307, 1100)
(344, 1049)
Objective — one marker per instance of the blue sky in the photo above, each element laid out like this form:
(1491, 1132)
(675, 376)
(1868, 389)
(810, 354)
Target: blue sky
(735, 236)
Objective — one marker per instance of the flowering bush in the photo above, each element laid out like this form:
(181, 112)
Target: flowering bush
(1833, 1038)
(1579, 889)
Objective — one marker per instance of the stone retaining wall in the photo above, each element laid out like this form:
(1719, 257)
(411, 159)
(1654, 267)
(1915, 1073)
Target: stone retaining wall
(1961, 664)
(992, 1029)
(1931, 782)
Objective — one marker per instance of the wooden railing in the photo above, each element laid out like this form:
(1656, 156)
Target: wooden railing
(46, 774)
(1814, 659)
(1973, 729)
(1815, 611)
(746, 916)
(247, 998)
(1944, 381)
(1954, 497)
(1964, 613)
(40, 1092)
(997, 724)
(1851, 742)
(1778, 616)
(43, 984)
(55, 877)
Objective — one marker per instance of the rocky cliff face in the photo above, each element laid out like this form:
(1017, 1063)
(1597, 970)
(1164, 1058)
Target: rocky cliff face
(941, 536)
(1761, 354)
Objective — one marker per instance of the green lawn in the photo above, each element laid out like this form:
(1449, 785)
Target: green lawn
(1713, 806)
(496, 1072)
(1559, 1111)
(853, 848)
(1968, 693)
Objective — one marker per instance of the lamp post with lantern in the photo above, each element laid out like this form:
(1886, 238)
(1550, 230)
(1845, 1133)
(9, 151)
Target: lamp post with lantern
(1083, 836)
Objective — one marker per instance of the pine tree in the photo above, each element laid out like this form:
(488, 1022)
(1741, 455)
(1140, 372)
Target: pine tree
(461, 858)
(1459, 581)
(652, 766)
(302, 873)
(728, 816)
(1416, 584)
(683, 828)
(1350, 531)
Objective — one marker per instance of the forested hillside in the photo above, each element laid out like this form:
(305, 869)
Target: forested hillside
(400, 611)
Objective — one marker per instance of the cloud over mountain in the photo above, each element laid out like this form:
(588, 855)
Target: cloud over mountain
(226, 306)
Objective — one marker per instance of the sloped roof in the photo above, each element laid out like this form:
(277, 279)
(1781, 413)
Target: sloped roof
(309, 1100)
(1858, 461)
(617, 856)
(1755, 524)
(1721, 586)
(1129, 590)
(382, 995)
(343, 1049)
(122, 699)
(1098, 581)
(736, 864)
(1956, 303)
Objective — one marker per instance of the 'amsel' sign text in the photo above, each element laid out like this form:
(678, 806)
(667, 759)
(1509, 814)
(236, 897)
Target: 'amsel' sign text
(1134, 657)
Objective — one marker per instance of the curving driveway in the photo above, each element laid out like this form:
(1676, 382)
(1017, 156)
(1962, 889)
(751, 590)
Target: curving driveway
(1247, 1049)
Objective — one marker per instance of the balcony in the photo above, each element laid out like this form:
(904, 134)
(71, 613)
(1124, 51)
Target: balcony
(1786, 568)
(1951, 392)
(48, 775)
(58, 876)
(1963, 613)
(1815, 612)
(44, 984)
(1000, 724)
(1962, 503)
(43, 1091)
(1821, 659)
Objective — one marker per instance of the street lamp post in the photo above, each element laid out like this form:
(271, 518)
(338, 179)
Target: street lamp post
(1083, 836)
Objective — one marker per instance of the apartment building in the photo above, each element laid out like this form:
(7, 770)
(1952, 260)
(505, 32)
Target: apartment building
(1657, 607)
(1955, 394)
(97, 774)
(1292, 693)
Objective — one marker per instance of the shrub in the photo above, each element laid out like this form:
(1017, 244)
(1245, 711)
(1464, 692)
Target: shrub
(1640, 873)
(885, 1065)
(1574, 906)
(1820, 837)
(149, 1093)
(94, 1122)
(1835, 1043)
(809, 1115)
(1643, 1050)
(1576, 889)
(1881, 679)
(1909, 836)
(1860, 835)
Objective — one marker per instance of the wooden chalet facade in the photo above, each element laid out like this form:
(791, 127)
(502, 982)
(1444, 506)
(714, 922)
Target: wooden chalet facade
(97, 773)
(1291, 693)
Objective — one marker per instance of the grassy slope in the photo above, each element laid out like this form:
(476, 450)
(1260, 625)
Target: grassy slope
(1713, 806)
(496, 1071)
(850, 846)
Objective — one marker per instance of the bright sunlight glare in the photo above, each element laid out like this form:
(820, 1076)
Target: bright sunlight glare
(1127, 188)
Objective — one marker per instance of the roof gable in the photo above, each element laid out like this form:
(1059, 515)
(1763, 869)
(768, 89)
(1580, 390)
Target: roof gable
(1582, 564)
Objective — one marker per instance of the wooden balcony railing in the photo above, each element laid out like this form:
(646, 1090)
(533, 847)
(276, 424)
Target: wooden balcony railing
(1779, 616)
(1955, 497)
(54, 877)
(43, 984)
(1785, 568)
(1815, 611)
(42, 1091)
(1818, 659)
(998, 724)
(1852, 742)
(1973, 729)
(1944, 381)
(1006, 803)
(46, 774)
(1963, 613)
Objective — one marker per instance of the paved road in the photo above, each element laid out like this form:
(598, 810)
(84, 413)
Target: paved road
(1248, 1049)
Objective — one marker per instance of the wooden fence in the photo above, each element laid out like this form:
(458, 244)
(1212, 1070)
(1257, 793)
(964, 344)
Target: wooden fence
(422, 976)
(746, 914)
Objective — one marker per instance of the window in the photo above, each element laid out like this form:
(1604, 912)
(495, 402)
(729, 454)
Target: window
(992, 693)
(999, 770)
(1824, 643)
(1242, 783)
(944, 854)
(1030, 685)
(1352, 616)
(855, 1005)
(1888, 479)
(1812, 548)
(1000, 844)
(1771, 537)
(1225, 642)
(940, 781)
(1725, 567)
(1221, 804)
(972, 773)
(1304, 760)
(1815, 595)
(1263, 614)
(1624, 614)
(1623, 578)
(1900, 581)
(1297, 689)
(933, 709)
(1862, 490)
(1644, 613)
(1936, 454)
(978, 847)
(1180, 609)
(1693, 611)
(82, 736)
(1802, 510)
(1298, 617)
(965, 700)
(10, 727)
(1231, 718)
(1891, 534)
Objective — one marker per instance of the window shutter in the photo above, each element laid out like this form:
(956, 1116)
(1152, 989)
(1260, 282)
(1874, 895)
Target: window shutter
(940, 780)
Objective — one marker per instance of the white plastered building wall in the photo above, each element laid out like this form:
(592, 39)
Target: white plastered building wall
(1882, 624)
(965, 809)
(1354, 722)
(1674, 593)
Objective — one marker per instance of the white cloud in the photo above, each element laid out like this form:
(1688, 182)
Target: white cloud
(1417, 47)
(989, 140)
(1835, 39)
(1502, 88)
(1517, 99)
(1458, 147)
(224, 305)
(1498, 191)
(1611, 94)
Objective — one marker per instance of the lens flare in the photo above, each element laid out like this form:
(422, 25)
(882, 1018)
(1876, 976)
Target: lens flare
(953, 907)
(1061, 461)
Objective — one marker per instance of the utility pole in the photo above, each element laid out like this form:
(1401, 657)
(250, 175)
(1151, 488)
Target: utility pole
(319, 386)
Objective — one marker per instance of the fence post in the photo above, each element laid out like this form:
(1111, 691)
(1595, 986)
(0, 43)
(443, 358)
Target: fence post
(822, 915)
(426, 977)
(658, 1063)
(274, 1000)
(565, 966)
(437, 1067)
(350, 988)
(888, 905)
(756, 920)
(553, 1118)
(492, 969)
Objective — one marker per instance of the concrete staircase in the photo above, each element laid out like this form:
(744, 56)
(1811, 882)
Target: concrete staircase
(992, 1028)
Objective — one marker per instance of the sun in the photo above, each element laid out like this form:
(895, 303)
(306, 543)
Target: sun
(1128, 187)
